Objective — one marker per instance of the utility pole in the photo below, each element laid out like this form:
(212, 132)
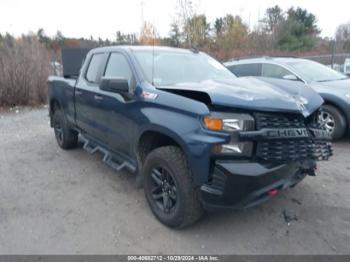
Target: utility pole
(334, 43)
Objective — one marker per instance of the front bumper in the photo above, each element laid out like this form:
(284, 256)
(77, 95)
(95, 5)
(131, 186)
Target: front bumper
(240, 185)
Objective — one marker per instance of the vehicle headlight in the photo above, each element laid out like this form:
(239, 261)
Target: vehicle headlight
(231, 123)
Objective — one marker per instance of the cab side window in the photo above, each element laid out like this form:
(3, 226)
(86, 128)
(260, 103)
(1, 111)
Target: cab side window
(118, 67)
(95, 65)
(274, 71)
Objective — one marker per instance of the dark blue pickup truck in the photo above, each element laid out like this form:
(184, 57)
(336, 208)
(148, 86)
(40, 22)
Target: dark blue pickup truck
(197, 137)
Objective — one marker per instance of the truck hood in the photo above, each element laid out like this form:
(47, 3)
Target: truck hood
(260, 94)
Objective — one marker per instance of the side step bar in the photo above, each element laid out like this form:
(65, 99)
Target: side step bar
(108, 158)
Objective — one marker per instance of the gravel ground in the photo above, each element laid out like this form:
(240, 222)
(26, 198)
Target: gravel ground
(69, 202)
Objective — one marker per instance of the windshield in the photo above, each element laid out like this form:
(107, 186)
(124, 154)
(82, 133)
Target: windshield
(313, 71)
(177, 67)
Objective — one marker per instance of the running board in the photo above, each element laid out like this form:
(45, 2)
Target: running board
(118, 165)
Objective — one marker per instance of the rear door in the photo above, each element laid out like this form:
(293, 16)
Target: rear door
(89, 116)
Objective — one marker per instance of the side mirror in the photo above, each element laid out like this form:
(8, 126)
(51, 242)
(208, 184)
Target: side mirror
(290, 77)
(114, 85)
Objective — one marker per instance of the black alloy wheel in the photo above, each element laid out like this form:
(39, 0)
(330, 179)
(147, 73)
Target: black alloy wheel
(164, 191)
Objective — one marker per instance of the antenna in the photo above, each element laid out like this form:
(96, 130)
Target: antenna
(153, 42)
(153, 58)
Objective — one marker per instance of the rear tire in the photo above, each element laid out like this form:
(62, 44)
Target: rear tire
(169, 189)
(333, 120)
(66, 137)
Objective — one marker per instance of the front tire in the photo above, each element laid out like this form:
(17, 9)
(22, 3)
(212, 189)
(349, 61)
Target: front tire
(333, 120)
(66, 137)
(169, 189)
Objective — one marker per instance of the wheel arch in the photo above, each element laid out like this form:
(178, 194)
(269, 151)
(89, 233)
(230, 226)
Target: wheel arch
(155, 137)
(341, 109)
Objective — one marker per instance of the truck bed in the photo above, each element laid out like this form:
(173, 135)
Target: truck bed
(62, 89)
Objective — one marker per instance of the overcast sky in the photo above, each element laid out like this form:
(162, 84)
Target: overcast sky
(82, 18)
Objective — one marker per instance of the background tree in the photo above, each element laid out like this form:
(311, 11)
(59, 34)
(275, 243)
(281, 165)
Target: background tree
(43, 38)
(196, 31)
(125, 39)
(218, 26)
(273, 18)
(186, 10)
(149, 35)
(175, 35)
(232, 33)
(300, 30)
(343, 36)
(343, 32)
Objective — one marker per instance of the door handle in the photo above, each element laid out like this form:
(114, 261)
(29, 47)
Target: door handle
(78, 92)
(98, 98)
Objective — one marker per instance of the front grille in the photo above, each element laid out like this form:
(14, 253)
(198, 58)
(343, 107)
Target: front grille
(292, 150)
(285, 150)
(279, 121)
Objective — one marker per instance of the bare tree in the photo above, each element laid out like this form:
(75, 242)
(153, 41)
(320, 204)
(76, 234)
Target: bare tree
(24, 68)
(186, 10)
(343, 32)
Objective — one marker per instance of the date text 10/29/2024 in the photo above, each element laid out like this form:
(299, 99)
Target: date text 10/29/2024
(173, 258)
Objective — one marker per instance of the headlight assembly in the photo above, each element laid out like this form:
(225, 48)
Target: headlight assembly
(231, 123)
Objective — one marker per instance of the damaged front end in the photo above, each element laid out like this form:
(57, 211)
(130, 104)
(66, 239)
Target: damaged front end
(272, 138)
(283, 150)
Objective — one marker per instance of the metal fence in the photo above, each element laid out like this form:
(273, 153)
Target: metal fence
(339, 62)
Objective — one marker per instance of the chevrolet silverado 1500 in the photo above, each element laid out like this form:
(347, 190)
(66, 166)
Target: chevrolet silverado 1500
(197, 137)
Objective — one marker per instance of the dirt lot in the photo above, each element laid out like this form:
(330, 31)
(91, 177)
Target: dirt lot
(70, 202)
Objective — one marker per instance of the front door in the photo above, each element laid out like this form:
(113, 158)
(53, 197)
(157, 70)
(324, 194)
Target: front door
(117, 108)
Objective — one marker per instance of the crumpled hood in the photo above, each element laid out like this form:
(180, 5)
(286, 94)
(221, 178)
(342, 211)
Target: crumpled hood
(261, 94)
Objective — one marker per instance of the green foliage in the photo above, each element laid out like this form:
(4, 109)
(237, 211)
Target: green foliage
(196, 30)
(231, 32)
(175, 35)
(306, 20)
(218, 26)
(298, 31)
